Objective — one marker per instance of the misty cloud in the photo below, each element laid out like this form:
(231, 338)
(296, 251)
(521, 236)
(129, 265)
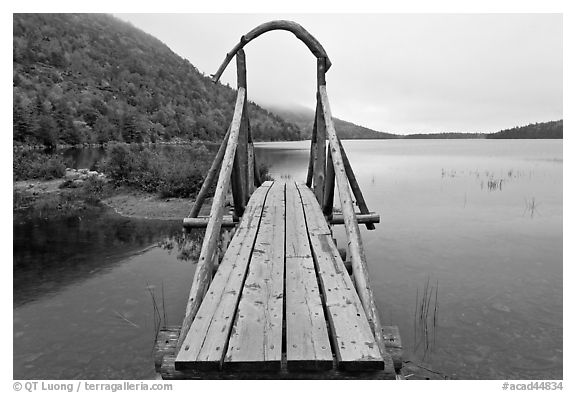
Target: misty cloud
(391, 72)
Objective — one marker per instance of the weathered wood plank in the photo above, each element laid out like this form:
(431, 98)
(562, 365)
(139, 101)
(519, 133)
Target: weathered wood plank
(219, 304)
(355, 246)
(166, 345)
(256, 339)
(360, 201)
(393, 345)
(307, 340)
(354, 343)
(168, 372)
(203, 273)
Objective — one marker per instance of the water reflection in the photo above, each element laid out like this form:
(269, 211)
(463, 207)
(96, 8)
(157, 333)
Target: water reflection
(83, 306)
(51, 254)
(85, 289)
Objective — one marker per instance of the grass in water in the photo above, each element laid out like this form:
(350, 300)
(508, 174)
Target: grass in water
(159, 318)
(530, 206)
(426, 319)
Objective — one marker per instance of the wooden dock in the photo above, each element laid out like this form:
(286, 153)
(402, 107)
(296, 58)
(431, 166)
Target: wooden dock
(272, 295)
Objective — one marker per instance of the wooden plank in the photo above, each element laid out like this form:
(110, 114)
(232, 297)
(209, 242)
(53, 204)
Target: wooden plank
(219, 304)
(307, 341)
(166, 345)
(360, 201)
(166, 341)
(393, 345)
(203, 272)
(355, 246)
(354, 343)
(320, 156)
(169, 372)
(256, 339)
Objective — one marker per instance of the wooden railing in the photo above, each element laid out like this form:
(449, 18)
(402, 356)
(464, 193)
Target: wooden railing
(235, 165)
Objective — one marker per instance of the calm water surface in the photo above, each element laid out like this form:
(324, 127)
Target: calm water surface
(480, 220)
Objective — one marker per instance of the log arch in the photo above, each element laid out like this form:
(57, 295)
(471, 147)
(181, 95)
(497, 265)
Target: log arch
(300, 32)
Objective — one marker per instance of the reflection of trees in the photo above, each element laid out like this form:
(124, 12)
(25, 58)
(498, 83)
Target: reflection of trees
(189, 244)
(50, 254)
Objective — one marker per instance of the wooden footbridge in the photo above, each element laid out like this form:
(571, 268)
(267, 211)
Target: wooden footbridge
(272, 295)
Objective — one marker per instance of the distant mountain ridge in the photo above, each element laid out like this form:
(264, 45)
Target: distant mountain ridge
(92, 78)
(304, 118)
(547, 130)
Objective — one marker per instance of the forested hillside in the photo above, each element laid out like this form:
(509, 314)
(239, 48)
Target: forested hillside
(548, 130)
(304, 118)
(89, 78)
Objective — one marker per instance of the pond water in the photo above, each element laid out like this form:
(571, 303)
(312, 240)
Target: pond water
(472, 229)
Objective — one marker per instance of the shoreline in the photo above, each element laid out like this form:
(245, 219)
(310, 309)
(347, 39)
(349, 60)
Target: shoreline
(48, 197)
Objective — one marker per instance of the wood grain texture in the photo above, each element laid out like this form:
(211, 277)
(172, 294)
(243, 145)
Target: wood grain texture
(203, 272)
(307, 340)
(205, 341)
(328, 204)
(301, 33)
(360, 201)
(312, 157)
(320, 156)
(354, 343)
(240, 170)
(250, 168)
(355, 246)
(165, 358)
(228, 222)
(256, 338)
(169, 372)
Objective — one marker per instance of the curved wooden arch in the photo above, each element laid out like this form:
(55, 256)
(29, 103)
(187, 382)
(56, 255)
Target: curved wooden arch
(300, 32)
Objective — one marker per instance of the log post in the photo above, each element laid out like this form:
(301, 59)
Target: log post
(329, 189)
(210, 177)
(240, 170)
(355, 187)
(312, 160)
(320, 161)
(257, 180)
(250, 157)
(355, 247)
(204, 268)
(250, 169)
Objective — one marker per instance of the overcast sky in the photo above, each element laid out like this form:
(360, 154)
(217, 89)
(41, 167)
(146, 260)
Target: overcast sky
(401, 73)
